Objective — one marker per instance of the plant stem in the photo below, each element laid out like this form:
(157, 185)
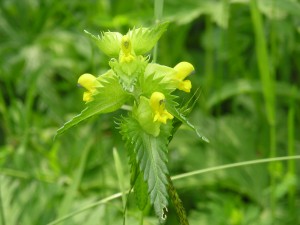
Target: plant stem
(2, 209)
(267, 81)
(177, 177)
(234, 165)
(179, 208)
(291, 148)
(158, 12)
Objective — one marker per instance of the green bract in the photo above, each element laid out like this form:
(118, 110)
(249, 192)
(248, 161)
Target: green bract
(143, 39)
(148, 89)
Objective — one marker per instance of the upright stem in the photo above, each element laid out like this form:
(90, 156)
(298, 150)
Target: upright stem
(291, 148)
(2, 209)
(158, 12)
(267, 80)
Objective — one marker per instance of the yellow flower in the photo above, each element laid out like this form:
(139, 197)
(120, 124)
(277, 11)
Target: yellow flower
(126, 48)
(183, 69)
(157, 103)
(89, 82)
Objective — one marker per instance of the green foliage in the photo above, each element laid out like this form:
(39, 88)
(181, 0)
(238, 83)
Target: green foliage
(108, 42)
(145, 130)
(73, 180)
(144, 39)
(109, 97)
(151, 156)
(141, 191)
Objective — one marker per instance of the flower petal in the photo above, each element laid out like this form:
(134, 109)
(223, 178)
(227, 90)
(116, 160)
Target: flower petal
(157, 103)
(88, 81)
(183, 70)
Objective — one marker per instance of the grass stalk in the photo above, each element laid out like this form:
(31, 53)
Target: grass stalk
(178, 177)
(120, 175)
(209, 58)
(2, 216)
(268, 89)
(70, 194)
(291, 148)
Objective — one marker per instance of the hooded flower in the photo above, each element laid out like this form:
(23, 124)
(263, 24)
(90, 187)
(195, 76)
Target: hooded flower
(182, 70)
(157, 103)
(88, 82)
(126, 54)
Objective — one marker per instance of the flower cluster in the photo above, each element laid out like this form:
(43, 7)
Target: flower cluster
(148, 83)
(149, 90)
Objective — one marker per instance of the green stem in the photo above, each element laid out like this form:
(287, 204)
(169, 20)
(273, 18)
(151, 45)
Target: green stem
(158, 12)
(234, 165)
(209, 58)
(141, 218)
(267, 80)
(273, 167)
(70, 215)
(71, 192)
(179, 208)
(180, 176)
(1, 208)
(291, 148)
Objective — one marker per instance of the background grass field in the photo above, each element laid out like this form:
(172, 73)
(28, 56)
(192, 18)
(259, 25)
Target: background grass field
(247, 59)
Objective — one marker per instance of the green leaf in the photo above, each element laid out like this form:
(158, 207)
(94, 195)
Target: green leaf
(129, 72)
(144, 39)
(109, 97)
(185, 110)
(243, 86)
(141, 192)
(182, 118)
(108, 42)
(157, 84)
(151, 156)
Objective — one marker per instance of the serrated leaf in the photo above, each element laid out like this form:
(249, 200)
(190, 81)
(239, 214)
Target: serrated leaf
(109, 97)
(151, 156)
(144, 39)
(184, 110)
(157, 85)
(182, 118)
(108, 42)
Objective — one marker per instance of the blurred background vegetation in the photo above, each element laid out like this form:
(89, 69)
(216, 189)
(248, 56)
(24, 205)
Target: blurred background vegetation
(247, 57)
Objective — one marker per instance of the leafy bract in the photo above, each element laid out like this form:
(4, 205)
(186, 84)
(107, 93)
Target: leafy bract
(144, 39)
(109, 96)
(151, 156)
(157, 84)
(181, 116)
(108, 42)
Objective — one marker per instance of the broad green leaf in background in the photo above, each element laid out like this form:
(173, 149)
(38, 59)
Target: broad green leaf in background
(243, 86)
